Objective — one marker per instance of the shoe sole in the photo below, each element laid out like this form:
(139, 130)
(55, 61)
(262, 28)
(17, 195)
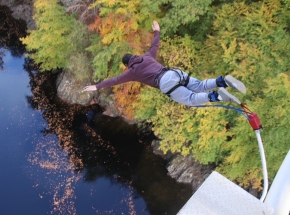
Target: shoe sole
(227, 97)
(236, 84)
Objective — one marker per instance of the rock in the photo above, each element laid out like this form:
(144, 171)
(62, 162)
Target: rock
(70, 90)
(178, 165)
(24, 11)
(187, 175)
(105, 98)
(186, 170)
(155, 147)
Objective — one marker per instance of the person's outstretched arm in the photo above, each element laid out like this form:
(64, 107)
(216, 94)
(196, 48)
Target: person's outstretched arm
(155, 42)
(120, 79)
(125, 77)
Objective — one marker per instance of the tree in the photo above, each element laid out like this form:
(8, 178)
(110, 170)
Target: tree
(49, 44)
(182, 13)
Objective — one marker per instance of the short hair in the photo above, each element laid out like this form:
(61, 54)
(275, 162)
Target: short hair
(126, 59)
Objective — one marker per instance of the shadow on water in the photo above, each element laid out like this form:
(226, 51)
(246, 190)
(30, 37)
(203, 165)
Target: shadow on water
(96, 146)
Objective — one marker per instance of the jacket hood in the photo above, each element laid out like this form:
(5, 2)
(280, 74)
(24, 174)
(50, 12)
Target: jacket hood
(135, 59)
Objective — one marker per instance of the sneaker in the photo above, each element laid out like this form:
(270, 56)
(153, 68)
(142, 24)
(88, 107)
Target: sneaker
(227, 97)
(234, 83)
(213, 96)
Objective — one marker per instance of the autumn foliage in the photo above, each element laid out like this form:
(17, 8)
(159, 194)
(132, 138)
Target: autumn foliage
(120, 28)
(247, 39)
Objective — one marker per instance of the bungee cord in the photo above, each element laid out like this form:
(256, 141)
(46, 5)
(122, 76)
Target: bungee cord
(256, 125)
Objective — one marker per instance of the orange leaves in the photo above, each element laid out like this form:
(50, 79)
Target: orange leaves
(95, 26)
(125, 96)
(113, 28)
(122, 28)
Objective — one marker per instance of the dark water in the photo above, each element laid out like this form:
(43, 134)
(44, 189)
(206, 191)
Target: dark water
(60, 159)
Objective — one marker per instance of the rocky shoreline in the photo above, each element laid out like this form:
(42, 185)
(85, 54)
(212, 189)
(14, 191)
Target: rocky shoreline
(184, 170)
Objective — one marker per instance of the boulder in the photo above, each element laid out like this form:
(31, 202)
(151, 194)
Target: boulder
(70, 90)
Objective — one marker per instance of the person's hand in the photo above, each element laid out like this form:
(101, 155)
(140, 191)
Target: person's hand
(89, 88)
(155, 26)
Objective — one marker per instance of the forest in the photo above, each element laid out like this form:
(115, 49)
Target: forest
(247, 39)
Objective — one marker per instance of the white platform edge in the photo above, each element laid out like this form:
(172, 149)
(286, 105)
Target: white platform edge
(219, 196)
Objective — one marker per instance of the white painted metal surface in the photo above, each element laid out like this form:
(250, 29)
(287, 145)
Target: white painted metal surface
(279, 194)
(219, 196)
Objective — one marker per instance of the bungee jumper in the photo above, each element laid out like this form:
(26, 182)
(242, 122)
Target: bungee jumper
(177, 84)
(184, 89)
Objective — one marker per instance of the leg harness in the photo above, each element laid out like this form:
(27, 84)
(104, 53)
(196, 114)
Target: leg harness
(182, 81)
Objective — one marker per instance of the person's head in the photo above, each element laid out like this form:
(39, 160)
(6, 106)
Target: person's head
(126, 59)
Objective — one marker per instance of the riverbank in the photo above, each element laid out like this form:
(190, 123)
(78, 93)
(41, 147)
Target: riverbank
(184, 170)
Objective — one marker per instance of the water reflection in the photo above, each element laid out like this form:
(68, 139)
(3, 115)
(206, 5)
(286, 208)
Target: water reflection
(10, 30)
(83, 162)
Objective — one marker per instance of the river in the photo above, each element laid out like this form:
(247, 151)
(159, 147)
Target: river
(68, 159)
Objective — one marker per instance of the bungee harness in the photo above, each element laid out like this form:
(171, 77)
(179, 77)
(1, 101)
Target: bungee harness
(182, 80)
